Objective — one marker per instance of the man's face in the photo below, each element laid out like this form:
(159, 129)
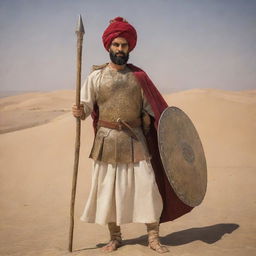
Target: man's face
(119, 51)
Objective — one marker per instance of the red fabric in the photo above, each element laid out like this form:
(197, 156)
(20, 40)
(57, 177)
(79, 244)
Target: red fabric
(173, 207)
(119, 28)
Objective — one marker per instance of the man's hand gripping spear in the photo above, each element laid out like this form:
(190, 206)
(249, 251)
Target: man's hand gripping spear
(79, 114)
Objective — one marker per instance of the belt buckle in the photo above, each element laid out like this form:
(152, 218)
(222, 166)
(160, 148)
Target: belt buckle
(119, 125)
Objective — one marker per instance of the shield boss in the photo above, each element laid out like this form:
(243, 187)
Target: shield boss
(182, 156)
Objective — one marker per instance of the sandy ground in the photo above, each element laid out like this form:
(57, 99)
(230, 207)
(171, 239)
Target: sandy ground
(36, 168)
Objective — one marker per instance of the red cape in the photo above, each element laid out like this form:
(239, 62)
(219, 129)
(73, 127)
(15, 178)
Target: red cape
(173, 207)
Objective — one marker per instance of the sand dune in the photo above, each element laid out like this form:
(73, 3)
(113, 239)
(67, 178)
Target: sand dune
(36, 166)
(32, 109)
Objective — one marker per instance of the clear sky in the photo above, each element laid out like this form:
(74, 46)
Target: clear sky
(182, 44)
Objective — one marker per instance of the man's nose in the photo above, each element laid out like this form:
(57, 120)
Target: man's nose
(120, 47)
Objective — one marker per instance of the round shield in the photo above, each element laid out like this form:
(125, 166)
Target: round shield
(182, 156)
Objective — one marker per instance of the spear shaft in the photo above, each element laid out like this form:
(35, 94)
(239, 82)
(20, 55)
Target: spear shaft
(80, 34)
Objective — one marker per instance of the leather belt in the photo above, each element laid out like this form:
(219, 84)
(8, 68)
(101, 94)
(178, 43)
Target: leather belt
(119, 125)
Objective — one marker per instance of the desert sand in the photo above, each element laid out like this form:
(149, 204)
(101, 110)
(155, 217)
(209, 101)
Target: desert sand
(36, 167)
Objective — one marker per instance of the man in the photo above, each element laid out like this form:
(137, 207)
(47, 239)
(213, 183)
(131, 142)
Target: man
(125, 106)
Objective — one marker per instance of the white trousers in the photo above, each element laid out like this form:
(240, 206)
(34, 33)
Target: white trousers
(123, 193)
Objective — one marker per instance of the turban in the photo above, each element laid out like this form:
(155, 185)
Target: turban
(119, 27)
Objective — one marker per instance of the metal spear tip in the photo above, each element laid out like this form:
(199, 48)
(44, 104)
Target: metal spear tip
(80, 25)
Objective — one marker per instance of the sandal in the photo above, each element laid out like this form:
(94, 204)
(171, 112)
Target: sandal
(153, 238)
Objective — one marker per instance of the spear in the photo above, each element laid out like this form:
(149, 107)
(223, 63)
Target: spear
(80, 34)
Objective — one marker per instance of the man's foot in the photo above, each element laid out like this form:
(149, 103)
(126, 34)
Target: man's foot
(153, 238)
(111, 246)
(115, 238)
(156, 246)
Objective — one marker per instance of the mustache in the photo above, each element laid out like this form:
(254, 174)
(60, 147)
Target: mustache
(120, 53)
(119, 57)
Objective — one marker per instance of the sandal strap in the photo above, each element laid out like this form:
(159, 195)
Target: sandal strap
(153, 238)
(115, 232)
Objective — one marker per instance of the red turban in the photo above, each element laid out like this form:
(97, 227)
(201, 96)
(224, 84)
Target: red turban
(119, 27)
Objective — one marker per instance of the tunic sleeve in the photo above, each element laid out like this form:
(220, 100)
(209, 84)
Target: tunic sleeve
(88, 93)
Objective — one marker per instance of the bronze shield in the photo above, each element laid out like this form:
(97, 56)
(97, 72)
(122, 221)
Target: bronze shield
(182, 156)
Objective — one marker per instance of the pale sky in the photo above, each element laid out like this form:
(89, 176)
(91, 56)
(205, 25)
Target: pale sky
(182, 44)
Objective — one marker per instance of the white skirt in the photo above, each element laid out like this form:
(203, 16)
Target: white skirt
(123, 193)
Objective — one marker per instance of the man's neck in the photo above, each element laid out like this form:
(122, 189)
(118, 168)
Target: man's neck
(117, 67)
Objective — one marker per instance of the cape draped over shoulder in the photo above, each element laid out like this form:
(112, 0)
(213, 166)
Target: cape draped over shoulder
(173, 207)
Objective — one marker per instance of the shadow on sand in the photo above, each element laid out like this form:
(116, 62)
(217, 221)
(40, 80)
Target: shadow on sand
(209, 234)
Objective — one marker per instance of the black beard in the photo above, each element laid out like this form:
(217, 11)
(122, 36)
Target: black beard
(118, 60)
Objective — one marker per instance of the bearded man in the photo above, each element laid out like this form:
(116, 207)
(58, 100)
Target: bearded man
(128, 181)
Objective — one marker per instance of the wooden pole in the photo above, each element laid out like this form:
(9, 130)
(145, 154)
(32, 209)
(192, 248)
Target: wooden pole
(80, 34)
